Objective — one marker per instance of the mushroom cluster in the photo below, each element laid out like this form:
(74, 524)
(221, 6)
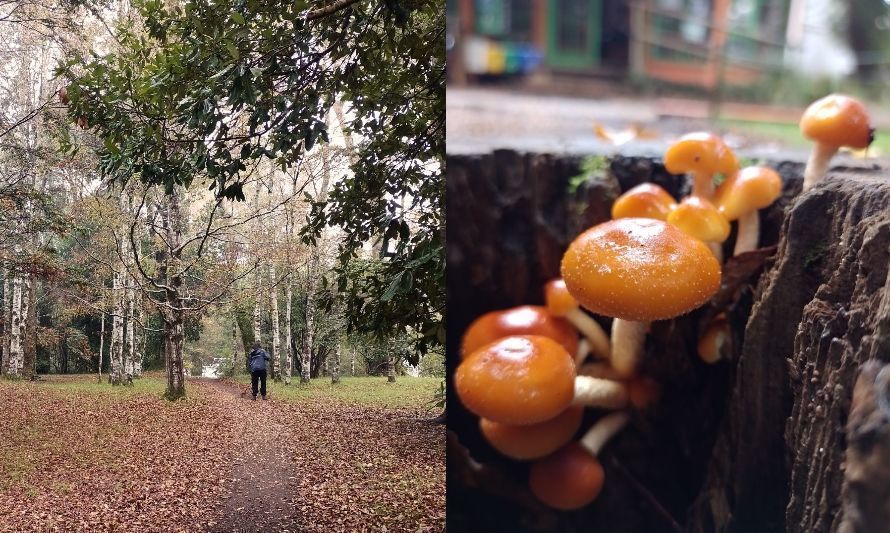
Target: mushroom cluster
(530, 372)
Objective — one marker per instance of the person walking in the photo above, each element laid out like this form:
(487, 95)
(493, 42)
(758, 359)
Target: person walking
(257, 361)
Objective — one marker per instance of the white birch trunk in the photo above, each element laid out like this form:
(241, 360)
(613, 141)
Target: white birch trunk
(335, 365)
(138, 333)
(4, 317)
(29, 350)
(101, 344)
(130, 327)
(257, 330)
(289, 365)
(237, 366)
(352, 363)
(306, 357)
(116, 349)
(15, 330)
(276, 332)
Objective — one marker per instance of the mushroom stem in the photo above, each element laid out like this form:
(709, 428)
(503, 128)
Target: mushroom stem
(599, 341)
(628, 338)
(716, 249)
(749, 233)
(583, 351)
(602, 431)
(817, 164)
(596, 392)
(702, 185)
(599, 369)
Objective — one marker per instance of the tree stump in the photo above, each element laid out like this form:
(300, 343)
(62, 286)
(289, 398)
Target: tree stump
(755, 443)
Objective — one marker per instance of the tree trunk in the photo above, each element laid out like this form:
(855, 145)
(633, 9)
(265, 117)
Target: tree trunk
(335, 365)
(275, 371)
(237, 364)
(116, 373)
(289, 365)
(309, 341)
(390, 368)
(352, 362)
(29, 351)
(130, 292)
(174, 317)
(101, 344)
(4, 320)
(138, 334)
(15, 330)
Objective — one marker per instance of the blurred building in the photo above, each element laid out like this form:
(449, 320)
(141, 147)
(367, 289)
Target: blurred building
(698, 43)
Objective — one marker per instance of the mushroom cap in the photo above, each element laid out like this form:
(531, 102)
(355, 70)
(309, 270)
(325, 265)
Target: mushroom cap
(568, 479)
(517, 380)
(522, 320)
(536, 440)
(643, 391)
(639, 269)
(700, 218)
(748, 190)
(646, 200)
(558, 298)
(700, 152)
(715, 336)
(837, 120)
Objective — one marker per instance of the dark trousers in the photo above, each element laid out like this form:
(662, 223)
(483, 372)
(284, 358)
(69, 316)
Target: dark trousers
(258, 375)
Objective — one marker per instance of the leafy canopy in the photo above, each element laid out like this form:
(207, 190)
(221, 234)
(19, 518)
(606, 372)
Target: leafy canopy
(200, 92)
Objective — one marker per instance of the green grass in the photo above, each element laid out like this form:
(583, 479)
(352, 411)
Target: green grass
(375, 391)
(87, 383)
(789, 134)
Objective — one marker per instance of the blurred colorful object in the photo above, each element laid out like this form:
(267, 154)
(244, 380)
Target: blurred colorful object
(485, 56)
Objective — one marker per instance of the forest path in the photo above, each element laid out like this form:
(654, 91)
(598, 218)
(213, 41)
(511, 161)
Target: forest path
(261, 488)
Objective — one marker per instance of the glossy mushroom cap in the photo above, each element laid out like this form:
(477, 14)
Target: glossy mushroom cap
(517, 380)
(750, 189)
(569, 479)
(536, 440)
(559, 300)
(639, 269)
(700, 152)
(700, 218)
(523, 320)
(646, 200)
(837, 120)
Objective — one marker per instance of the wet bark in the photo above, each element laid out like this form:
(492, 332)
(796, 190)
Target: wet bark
(754, 443)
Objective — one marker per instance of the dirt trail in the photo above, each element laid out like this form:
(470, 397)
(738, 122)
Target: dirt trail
(262, 485)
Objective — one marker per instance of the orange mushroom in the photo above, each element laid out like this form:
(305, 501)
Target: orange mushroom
(573, 476)
(522, 320)
(638, 270)
(646, 200)
(710, 345)
(528, 379)
(833, 121)
(739, 198)
(702, 155)
(562, 304)
(536, 440)
(700, 218)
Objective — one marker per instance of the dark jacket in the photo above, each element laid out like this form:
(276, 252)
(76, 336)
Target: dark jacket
(257, 360)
